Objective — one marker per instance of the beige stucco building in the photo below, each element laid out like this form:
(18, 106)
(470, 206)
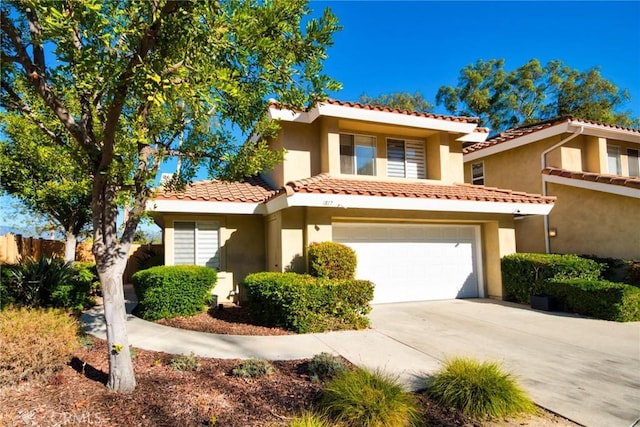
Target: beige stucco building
(388, 183)
(591, 168)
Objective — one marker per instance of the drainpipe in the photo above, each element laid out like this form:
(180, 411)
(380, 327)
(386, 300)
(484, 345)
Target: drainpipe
(543, 163)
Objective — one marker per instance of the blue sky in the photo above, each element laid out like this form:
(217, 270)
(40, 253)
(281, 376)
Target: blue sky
(393, 46)
(413, 46)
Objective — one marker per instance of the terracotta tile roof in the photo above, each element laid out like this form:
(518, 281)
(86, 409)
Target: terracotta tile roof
(460, 119)
(624, 181)
(510, 134)
(325, 184)
(251, 190)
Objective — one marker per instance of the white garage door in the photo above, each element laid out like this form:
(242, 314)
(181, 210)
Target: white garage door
(410, 262)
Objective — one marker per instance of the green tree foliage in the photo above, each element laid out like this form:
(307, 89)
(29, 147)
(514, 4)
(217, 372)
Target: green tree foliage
(400, 100)
(45, 178)
(133, 82)
(503, 99)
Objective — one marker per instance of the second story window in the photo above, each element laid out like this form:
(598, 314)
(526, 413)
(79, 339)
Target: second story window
(357, 154)
(477, 173)
(613, 160)
(405, 159)
(634, 162)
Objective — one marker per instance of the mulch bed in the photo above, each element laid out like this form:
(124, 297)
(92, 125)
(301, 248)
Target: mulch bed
(231, 320)
(77, 395)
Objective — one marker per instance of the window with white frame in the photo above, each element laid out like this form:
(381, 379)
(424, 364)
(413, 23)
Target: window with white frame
(613, 160)
(477, 173)
(405, 158)
(357, 154)
(633, 158)
(196, 243)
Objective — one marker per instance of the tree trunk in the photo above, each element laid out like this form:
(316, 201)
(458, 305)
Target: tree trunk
(121, 376)
(111, 256)
(70, 246)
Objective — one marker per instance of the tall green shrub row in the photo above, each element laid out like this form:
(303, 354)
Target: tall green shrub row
(303, 303)
(170, 291)
(597, 298)
(525, 274)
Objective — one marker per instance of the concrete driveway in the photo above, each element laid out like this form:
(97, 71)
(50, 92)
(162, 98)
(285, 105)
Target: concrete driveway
(587, 370)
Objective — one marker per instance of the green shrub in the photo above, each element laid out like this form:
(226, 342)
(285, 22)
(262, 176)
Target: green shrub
(302, 303)
(6, 295)
(613, 269)
(632, 276)
(48, 282)
(332, 260)
(185, 362)
(86, 276)
(324, 366)
(170, 291)
(363, 398)
(148, 257)
(597, 298)
(524, 274)
(480, 390)
(253, 368)
(35, 343)
(309, 419)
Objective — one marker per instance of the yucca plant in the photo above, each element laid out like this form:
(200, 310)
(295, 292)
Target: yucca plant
(480, 390)
(368, 399)
(34, 280)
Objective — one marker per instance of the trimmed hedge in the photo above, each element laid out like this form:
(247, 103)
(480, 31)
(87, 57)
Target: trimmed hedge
(170, 291)
(597, 298)
(524, 274)
(303, 303)
(332, 260)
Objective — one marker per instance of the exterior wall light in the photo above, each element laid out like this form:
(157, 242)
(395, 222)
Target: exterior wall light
(553, 232)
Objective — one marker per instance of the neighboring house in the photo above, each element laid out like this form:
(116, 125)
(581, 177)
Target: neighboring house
(388, 183)
(591, 168)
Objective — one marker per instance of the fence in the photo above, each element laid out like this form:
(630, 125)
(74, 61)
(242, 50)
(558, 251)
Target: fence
(14, 247)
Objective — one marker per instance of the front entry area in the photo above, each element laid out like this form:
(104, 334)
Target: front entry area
(415, 262)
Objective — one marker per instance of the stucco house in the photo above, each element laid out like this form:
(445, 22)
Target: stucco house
(388, 183)
(593, 170)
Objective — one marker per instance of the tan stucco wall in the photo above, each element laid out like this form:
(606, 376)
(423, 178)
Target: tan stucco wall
(593, 222)
(242, 249)
(315, 148)
(293, 240)
(498, 240)
(303, 152)
(586, 221)
(519, 168)
(530, 235)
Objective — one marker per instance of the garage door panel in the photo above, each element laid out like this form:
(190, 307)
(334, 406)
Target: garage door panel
(414, 263)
